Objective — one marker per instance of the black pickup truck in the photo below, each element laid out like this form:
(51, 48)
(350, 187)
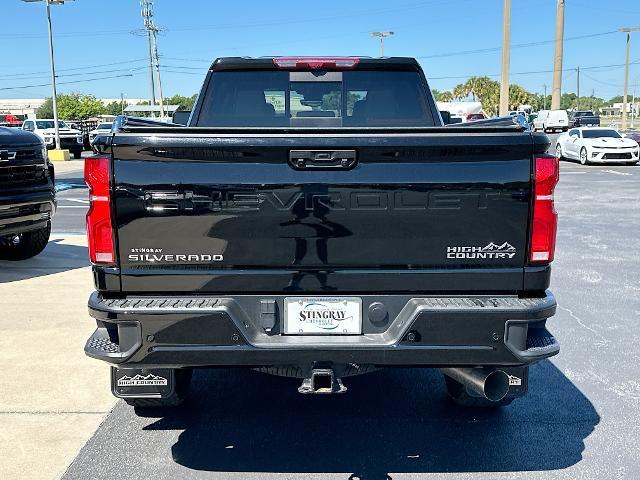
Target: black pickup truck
(27, 194)
(316, 219)
(583, 118)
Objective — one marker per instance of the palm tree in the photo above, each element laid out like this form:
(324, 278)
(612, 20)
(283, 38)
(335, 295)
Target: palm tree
(461, 91)
(445, 96)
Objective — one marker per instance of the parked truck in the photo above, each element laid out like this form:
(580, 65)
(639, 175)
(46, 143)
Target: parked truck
(27, 194)
(316, 219)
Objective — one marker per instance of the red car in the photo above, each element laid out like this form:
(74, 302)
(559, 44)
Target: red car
(474, 117)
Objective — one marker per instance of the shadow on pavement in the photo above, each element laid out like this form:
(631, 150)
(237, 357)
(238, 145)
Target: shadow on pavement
(56, 257)
(392, 421)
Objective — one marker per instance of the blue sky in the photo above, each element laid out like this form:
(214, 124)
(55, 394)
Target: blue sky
(94, 40)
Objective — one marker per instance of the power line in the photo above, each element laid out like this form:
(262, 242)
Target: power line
(531, 72)
(88, 73)
(520, 45)
(201, 74)
(602, 82)
(74, 68)
(68, 82)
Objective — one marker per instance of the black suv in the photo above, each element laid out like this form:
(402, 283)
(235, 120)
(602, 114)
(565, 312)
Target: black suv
(27, 194)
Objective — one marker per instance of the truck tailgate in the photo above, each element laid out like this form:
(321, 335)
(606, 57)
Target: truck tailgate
(235, 212)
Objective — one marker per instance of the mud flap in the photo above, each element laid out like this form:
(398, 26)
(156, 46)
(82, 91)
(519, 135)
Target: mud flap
(142, 382)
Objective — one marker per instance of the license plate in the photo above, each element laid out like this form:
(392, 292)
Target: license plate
(323, 316)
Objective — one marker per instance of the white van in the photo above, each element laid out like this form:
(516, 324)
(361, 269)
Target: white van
(551, 120)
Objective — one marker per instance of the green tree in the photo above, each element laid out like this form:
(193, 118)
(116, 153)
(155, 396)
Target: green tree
(115, 108)
(445, 96)
(186, 103)
(46, 109)
(76, 106)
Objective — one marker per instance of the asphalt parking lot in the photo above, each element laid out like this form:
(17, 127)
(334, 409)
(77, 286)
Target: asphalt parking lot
(579, 420)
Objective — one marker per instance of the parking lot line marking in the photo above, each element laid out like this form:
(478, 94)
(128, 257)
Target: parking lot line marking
(79, 200)
(73, 206)
(571, 171)
(617, 173)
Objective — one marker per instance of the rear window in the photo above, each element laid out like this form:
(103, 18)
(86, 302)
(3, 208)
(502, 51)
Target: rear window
(288, 99)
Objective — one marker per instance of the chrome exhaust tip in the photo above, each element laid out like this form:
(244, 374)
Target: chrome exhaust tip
(489, 383)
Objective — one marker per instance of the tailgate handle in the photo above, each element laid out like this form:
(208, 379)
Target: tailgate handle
(322, 159)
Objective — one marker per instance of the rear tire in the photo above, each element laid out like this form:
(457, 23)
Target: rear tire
(458, 395)
(180, 394)
(30, 245)
(77, 155)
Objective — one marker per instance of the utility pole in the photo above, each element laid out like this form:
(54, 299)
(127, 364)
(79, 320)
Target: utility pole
(122, 103)
(382, 36)
(633, 106)
(155, 47)
(626, 76)
(147, 15)
(506, 53)
(578, 88)
(556, 92)
(152, 100)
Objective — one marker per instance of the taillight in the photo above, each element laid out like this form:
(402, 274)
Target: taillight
(99, 228)
(545, 218)
(316, 63)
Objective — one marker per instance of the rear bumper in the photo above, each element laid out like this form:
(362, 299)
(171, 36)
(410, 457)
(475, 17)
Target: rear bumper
(197, 331)
(26, 211)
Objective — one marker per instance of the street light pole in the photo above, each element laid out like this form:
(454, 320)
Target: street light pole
(54, 99)
(626, 76)
(382, 36)
(53, 77)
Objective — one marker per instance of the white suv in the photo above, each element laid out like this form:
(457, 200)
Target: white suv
(70, 138)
